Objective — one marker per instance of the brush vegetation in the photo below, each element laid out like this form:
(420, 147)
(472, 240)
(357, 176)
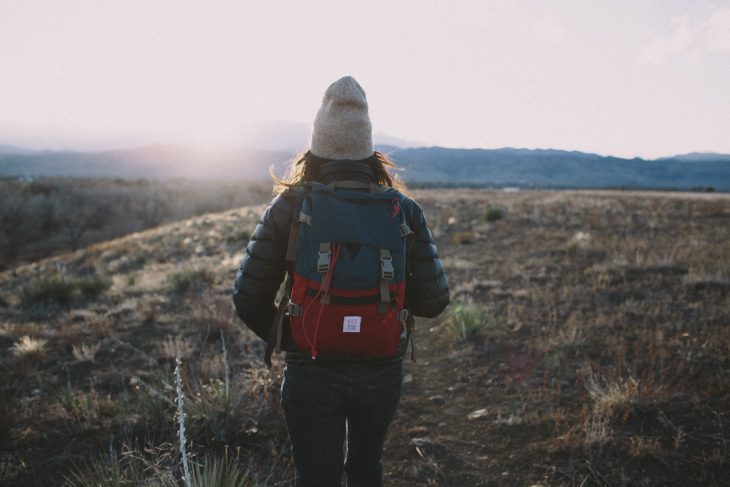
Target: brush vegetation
(587, 345)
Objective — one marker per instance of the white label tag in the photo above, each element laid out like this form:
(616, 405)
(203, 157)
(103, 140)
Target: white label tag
(351, 324)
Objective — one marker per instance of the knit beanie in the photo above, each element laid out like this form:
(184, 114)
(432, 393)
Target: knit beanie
(342, 128)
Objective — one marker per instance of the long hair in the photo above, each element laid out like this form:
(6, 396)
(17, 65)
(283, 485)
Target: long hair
(304, 167)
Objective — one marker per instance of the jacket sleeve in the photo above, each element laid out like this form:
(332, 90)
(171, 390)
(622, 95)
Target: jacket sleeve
(262, 269)
(427, 290)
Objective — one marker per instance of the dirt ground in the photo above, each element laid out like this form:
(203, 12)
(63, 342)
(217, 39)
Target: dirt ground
(587, 344)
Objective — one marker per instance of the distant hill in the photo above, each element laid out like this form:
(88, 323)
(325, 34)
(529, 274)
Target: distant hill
(541, 168)
(152, 162)
(549, 168)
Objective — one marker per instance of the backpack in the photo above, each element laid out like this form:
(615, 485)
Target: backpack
(347, 255)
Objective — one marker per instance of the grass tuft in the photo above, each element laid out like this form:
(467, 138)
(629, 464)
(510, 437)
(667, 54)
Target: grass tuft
(48, 290)
(464, 238)
(469, 321)
(28, 346)
(94, 286)
(220, 472)
(62, 291)
(193, 279)
(493, 213)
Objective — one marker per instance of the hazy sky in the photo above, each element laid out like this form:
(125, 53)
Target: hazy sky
(625, 77)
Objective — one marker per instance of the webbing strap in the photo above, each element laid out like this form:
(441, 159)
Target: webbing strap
(349, 184)
(326, 264)
(283, 305)
(291, 245)
(273, 343)
(387, 273)
(323, 260)
(386, 265)
(410, 319)
(405, 230)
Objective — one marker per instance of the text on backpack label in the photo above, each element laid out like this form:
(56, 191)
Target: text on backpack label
(351, 324)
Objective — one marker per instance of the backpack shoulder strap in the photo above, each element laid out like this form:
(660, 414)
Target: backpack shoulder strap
(273, 343)
(410, 320)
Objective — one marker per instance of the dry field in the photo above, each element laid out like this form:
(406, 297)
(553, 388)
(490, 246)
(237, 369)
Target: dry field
(587, 344)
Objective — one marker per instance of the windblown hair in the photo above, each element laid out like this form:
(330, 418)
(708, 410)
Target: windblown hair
(304, 168)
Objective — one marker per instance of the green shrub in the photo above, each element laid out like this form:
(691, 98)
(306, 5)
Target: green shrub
(48, 290)
(94, 286)
(191, 280)
(493, 213)
(63, 290)
(469, 321)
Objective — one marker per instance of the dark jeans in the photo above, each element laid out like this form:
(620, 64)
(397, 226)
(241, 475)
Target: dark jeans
(326, 405)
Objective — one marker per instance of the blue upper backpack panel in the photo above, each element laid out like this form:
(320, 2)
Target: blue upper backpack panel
(355, 217)
(363, 223)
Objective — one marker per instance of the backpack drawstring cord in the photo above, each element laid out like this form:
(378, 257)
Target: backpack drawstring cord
(327, 280)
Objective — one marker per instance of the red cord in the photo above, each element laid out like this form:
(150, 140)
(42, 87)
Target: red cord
(327, 278)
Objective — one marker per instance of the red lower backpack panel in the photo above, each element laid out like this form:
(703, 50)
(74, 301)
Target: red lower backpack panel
(349, 325)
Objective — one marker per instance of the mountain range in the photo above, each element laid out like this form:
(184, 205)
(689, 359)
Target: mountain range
(429, 166)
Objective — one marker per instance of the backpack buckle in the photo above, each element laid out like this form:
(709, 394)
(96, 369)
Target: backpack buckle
(403, 315)
(386, 264)
(323, 260)
(294, 309)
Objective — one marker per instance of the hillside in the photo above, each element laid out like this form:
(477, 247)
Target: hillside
(587, 344)
(559, 169)
(434, 166)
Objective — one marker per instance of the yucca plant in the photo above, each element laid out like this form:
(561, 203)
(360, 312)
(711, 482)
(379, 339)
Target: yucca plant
(221, 472)
(181, 420)
(150, 466)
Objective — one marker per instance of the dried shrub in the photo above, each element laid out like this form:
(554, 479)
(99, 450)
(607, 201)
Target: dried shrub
(464, 238)
(62, 290)
(493, 213)
(642, 447)
(191, 280)
(578, 243)
(213, 315)
(85, 352)
(48, 290)
(94, 286)
(171, 347)
(239, 237)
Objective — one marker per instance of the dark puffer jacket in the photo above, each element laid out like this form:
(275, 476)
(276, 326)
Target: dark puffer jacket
(263, 267)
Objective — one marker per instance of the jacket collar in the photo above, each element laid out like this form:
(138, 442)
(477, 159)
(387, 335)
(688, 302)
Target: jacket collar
(345, 170)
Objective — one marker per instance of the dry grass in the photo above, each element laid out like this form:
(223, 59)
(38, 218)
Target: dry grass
(27, 346)
(174, 346)
(85, 352)
(597, 351)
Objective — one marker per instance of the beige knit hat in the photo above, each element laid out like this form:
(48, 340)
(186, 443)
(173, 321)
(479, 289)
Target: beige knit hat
(342, 128)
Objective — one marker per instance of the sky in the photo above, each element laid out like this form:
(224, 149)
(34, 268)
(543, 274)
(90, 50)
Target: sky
(631, 78)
